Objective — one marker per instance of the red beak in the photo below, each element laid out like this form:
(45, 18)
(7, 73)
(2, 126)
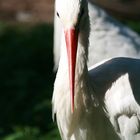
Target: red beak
(71, 37)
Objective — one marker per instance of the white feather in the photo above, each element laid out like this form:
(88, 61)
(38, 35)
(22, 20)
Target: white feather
(89, 121)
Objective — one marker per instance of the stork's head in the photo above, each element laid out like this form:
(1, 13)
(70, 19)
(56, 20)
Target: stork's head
(72, 14)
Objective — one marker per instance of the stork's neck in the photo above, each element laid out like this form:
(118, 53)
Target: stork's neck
(82, 51)
(82, 84)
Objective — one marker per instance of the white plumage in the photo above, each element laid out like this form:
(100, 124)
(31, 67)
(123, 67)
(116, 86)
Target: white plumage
(106, 97)
(108, 38)
(123, 109)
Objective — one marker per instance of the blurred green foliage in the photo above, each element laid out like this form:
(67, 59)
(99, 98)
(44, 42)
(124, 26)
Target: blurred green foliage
(26, 81)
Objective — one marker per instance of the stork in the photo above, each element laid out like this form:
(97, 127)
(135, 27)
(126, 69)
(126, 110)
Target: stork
(105, 31)
(90, 104)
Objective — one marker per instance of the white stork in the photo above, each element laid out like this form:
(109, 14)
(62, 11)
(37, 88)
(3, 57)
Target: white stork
(118, 39)
(101, 103)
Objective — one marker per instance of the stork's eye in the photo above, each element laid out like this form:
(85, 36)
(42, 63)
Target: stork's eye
(58, 14)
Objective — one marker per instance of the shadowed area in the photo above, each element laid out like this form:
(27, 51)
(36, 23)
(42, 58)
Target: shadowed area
(26, 82)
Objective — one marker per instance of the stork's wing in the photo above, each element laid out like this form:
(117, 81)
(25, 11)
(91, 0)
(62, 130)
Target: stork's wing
(123, 110)
(120, 79)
